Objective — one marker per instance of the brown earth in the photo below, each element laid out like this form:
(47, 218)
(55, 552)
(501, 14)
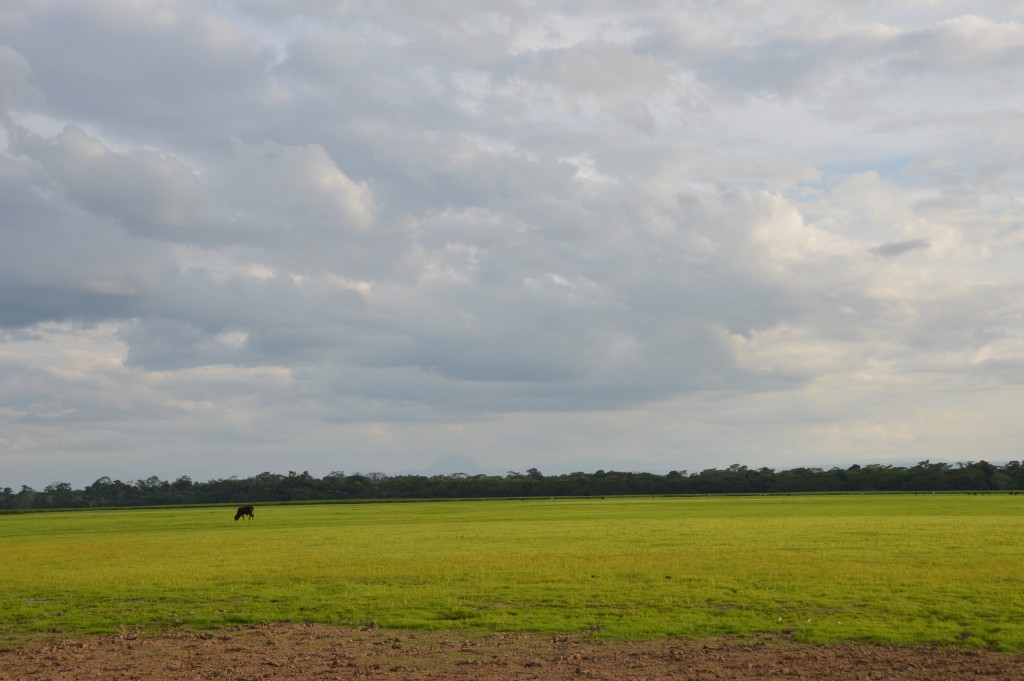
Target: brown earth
(324, 652)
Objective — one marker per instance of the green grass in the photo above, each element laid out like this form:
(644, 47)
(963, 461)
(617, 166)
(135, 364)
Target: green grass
(908, 569)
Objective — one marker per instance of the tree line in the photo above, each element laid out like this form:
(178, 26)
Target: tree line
(976, 476)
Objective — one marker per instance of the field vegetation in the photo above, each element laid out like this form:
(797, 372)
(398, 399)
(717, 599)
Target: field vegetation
(896, 568)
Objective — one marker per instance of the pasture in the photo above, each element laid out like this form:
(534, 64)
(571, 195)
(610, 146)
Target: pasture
(895, 568)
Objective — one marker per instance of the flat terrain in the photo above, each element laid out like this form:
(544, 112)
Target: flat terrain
(299, 651)
(846, 570)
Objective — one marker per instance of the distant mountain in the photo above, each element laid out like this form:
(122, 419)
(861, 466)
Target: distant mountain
(456, 463)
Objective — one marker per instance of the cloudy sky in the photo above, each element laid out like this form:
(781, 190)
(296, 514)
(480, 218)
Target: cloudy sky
(271, 235)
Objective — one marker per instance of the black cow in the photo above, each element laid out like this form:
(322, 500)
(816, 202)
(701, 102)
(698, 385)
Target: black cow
(245, 511)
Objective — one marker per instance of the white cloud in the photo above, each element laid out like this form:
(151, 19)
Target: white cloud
(298, 187)
(962, 44)
(360, 234)
(143, 190)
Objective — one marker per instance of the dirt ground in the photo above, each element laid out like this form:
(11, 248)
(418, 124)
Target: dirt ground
(324, 652)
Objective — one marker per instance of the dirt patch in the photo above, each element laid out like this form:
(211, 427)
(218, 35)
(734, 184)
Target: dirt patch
(322, 652)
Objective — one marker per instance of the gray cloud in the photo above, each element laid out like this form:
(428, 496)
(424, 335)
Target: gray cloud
(353, 234)
(894, 248)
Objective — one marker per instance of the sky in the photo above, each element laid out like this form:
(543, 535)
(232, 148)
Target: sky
(342, 235)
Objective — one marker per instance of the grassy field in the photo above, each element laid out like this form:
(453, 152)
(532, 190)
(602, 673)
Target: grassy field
(895, 568)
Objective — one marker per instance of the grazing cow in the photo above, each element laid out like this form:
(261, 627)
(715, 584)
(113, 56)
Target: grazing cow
(245, 511)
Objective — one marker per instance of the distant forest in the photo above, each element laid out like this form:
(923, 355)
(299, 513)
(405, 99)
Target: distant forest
(971, 476)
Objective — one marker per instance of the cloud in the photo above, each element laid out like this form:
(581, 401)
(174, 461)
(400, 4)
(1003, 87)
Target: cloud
(15, 83)
(894, 248)
(353, 234)
(962, 44)
(143, 190)
(298, 187)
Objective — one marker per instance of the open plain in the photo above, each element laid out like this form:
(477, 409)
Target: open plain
(844, 587)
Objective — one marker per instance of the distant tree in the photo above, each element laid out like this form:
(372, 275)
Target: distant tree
(25, 498)
(736, 478)
(59, 495)
(1015, 471)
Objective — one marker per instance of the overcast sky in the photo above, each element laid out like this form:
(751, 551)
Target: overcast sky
(273, 235)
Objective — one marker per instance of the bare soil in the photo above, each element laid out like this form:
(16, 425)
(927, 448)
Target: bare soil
(299, 651)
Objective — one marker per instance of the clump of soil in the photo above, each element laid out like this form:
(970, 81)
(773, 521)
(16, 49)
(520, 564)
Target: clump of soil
(303, 651)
